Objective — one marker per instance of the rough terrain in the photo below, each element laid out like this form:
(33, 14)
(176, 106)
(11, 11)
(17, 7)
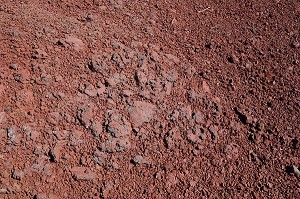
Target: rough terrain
(149, 99)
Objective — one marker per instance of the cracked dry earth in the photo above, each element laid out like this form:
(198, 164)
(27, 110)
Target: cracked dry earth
(149, 99)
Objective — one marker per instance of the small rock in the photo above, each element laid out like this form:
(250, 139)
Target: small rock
(82, 174)
(173, 58)
(99, 158)
(192, 137)
(55, 153)
(172, 76)
(14, 66)
(296, 171)
(85, 115)
(198, 117)
(90, 90)
(205, 87)
(141, 112)
(96, 128)
(22, 76)
(168, 87)
(18, 175)
(96, 64)
(118, 126)
(190, 71)
(101, 90)
(214, 133)
(141, 78)
(174, 116)
(3, 191)
(233, 59)
(2, 117)
(75, 43)
(116, 144)
(39, 54)
(13, 135)
(139, 160)
(126, 93)
(296, 44)
(54, 118)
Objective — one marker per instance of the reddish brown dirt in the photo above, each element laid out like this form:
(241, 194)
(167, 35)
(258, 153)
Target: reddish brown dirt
(149, 99)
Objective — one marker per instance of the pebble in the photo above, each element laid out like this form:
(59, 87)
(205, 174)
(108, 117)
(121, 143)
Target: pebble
(99, 158)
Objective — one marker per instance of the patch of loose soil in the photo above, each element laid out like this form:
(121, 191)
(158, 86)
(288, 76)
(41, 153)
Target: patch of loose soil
(149, 99)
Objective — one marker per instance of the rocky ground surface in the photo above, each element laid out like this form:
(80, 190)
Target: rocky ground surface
(149, 99)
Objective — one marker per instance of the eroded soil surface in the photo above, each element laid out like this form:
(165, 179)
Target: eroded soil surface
(149, 99)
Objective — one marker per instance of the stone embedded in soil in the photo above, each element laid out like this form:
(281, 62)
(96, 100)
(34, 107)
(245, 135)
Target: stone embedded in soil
(99, 158)
(54, 118)
(2, 117)
(296, 171)
(141, 112)
(205, 87)
(39, 54)
(140, 160)
(214, 133)
(141, 78)
(96, 128)
(4, 191)
(55, 153)
(82, 174)
(75, 43)
(96, 64)
(112, 144)
(192, 137)
(85, 115)
(173, 58)
(90, 90)
(18, 175)
(118, 126)
(198, 117)
(22, 76)
(14, 136)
